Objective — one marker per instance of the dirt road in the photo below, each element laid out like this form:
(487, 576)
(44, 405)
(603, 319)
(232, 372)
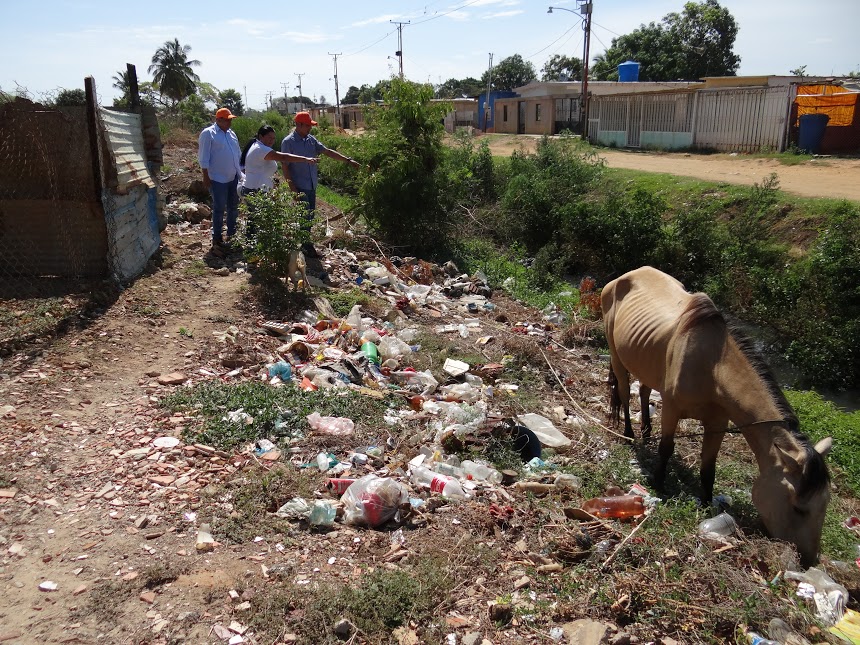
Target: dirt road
(820, 177)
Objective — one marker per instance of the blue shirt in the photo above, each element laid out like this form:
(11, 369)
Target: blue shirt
(218, 152)
(304, 175)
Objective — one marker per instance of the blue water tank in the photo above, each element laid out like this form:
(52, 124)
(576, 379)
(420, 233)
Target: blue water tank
(811, 132)
(628, 72)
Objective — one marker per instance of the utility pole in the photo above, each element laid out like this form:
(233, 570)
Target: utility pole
(487, 103)
(585, 9)
(301, 96)
(269, 100)
(399, 52)
(245, 88)
(336, 91)
(286, 99)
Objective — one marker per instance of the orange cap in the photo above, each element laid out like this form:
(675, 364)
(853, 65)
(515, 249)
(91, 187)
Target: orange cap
(224, 113)
(305, 118)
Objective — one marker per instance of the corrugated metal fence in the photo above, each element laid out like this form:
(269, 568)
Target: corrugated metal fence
(729, 120)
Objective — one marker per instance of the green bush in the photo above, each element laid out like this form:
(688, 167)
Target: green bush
(539, 187)
(403, 198)
(276, 225)
(822, 303)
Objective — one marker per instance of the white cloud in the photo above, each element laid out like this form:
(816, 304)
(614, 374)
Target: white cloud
(504, 14)
(374, 21)
(308, 38)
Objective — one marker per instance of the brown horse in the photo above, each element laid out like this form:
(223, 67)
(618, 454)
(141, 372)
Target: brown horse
(679, 344)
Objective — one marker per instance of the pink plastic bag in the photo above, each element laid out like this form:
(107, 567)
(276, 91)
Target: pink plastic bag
(339, 426)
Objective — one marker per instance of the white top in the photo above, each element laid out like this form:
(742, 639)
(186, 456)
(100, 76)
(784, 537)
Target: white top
(259, 173)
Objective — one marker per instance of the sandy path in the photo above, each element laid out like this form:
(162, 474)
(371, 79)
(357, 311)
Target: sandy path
(821, 177)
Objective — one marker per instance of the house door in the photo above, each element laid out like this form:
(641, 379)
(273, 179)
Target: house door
(521, 117)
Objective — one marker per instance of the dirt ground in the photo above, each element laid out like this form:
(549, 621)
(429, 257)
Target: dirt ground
(836, 178)
(98, 507)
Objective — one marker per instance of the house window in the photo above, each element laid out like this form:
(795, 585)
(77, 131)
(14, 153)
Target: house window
(504, 113)
(537, 112)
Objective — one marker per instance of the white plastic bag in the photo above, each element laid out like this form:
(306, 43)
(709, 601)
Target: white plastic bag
(544, 430)
(373, 500)
(393, 347)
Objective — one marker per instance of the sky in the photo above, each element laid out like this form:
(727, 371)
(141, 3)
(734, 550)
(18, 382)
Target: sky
(259, 48)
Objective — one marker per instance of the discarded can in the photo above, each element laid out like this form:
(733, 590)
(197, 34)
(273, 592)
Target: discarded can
(338, 486)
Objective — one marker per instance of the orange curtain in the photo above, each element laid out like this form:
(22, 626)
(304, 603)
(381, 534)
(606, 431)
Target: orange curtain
(834, 101)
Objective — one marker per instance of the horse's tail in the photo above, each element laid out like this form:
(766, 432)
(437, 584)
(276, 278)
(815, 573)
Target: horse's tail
(614, 397)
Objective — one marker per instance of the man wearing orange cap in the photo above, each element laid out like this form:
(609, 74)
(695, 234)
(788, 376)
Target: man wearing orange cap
(302, 177)
(218, 154)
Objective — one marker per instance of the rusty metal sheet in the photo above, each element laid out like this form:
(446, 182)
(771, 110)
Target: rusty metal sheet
(124, 136)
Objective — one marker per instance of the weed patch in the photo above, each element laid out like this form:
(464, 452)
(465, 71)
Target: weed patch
(278, 413)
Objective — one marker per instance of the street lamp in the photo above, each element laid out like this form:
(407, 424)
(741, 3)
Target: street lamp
(584, 10)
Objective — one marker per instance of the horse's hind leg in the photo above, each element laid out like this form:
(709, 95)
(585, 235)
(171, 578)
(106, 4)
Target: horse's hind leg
(619, 387)
(645, 402)
(714, 433)
(667, 444)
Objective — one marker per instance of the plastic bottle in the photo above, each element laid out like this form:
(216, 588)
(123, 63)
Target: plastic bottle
(437, 483)
(371, 351)
(723, 524)
(620, 506)
(758, 639)
(481, 472)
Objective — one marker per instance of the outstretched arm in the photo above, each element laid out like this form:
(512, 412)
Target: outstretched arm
(334, 154)
(273, 155)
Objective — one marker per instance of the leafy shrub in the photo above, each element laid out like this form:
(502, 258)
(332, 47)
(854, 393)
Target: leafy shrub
(194, 113)
(540, 186)
(470, 172)
(610, 237)
(402, 198)
(822, 303)
(277, 223)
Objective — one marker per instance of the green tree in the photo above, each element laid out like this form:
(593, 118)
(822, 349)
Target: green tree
(454, 88)
(688, 46)
(194, 112)
(122, 83)
(172, 71)
(800, 71)
(232, 100)
(404, 197)
(559, 66)
(351, 96)
(70, 98)
(511, 72)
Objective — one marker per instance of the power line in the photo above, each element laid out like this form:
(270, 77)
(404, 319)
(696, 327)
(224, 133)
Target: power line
(371, 44)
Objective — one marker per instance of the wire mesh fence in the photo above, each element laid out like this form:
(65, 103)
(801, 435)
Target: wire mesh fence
(55, 240)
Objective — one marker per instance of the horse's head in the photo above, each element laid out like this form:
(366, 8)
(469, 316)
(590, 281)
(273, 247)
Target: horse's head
(792, 494)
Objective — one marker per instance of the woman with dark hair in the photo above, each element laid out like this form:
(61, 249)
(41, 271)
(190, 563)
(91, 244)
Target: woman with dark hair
(260, 162)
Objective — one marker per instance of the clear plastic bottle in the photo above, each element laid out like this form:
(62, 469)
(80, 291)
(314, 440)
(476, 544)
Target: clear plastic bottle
(722, 524)
(619, 506)
(437, 483)
(481, 472)
(758, 639)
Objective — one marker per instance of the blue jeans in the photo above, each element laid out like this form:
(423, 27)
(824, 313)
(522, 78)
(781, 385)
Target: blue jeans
(224, 196)
(309, 198)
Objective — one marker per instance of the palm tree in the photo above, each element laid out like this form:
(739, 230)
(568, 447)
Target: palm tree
(121, 81)
(171, 71)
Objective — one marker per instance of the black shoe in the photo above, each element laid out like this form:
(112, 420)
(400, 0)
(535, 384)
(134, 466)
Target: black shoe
(309, 250)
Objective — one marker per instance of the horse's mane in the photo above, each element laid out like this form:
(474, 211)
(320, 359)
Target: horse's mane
(701, 310)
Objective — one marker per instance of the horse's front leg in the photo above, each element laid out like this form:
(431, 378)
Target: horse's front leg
(644, 403)
(715, 430)
(667, 443)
